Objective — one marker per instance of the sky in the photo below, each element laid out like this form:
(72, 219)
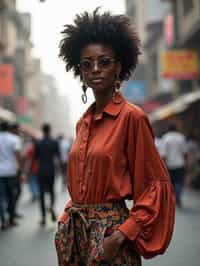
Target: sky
(48, 19)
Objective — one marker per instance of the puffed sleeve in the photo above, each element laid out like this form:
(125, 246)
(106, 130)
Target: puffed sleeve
(151, 220)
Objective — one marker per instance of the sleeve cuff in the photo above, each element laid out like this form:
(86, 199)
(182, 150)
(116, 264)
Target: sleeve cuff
(130, 228)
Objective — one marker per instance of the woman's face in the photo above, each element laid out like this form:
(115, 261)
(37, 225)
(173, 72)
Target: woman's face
(99, 67)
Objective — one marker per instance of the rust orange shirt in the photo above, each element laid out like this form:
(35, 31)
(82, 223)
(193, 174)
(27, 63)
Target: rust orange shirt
(114, 158)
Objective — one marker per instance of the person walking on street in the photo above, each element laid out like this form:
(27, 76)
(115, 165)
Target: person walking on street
(113, 157)
(46, 151)
(175, 156)
(159, 146)
(31, 168)
(10, 164)
(14, 129)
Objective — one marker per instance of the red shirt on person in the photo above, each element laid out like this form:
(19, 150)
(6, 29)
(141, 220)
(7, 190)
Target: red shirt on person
(30, 156)
(114, 158)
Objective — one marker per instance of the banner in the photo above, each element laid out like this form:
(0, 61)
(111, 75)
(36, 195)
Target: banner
(6, 80)
(180, 65)
(169, 29)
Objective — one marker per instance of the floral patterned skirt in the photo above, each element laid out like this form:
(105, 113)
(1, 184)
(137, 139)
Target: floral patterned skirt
(79, 241)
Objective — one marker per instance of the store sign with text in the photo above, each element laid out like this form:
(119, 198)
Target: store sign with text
(180, 65)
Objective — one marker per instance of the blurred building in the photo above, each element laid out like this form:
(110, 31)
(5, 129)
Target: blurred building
(148, 18)
(15, 36)
(135, 90)
(15, 56)
(33, 93)
(54, 108)
(170, 34)
(137, 11)
(186, 15)
(8, 43)
(154, 46)
(181, 62)
(20, 72)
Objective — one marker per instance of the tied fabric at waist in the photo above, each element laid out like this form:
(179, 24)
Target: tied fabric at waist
(98, 211)
(95, 211)
(85, 228)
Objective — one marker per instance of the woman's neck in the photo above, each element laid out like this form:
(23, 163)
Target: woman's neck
(102, 100)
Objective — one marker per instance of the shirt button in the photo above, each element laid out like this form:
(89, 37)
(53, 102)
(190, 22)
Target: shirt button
(85, 138)
(81, 157)
(81, 147)
(89, 171)
(82, 188)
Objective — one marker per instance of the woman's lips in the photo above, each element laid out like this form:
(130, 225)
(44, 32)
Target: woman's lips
(97, 80)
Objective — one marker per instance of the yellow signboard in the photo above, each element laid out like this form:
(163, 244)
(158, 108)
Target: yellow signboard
(180, 65)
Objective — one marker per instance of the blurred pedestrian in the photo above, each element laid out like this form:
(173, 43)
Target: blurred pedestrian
(14, 129)
(113, 157)
(159, 145)
(46, 151)
(10, 164)
(64, 146)
(31, 168)
(175, 156)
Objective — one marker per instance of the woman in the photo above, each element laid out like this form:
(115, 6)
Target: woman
(113, 157)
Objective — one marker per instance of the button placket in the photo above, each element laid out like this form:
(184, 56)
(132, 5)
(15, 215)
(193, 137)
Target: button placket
(82, 156)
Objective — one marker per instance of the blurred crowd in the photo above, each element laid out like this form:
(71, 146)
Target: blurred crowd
(36, 162)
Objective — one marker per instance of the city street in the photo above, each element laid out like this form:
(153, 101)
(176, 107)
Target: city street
(30, 245)
(138, 62)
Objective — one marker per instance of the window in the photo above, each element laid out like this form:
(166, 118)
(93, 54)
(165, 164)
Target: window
(188, 5)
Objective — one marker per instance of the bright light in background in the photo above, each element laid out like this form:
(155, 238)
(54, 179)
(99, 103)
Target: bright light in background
(48, 19)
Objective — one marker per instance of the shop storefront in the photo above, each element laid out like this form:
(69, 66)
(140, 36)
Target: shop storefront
(184, 111)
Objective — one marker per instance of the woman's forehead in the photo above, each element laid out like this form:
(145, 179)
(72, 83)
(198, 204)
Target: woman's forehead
(95, 50)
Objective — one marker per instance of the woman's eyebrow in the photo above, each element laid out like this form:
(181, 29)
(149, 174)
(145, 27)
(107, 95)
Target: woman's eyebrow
(99, 56)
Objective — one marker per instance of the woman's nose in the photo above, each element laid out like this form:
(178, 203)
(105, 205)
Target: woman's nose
(95, 66)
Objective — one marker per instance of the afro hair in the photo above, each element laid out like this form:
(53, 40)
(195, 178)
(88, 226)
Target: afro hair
(115, 31)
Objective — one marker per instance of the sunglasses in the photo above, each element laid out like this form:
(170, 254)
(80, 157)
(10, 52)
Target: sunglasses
(87, 65)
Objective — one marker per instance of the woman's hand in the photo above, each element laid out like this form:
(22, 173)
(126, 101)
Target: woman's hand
(112, 244)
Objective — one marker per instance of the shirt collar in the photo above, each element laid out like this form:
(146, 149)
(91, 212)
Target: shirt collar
(113, 108)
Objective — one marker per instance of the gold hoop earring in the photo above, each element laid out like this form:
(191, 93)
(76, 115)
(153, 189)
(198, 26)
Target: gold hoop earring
(117, 83)
(84, 95)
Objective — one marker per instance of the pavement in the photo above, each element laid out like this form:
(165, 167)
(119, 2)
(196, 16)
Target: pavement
(30, 245)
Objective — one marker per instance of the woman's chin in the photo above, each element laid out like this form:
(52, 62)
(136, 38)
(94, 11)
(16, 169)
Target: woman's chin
(98, 87)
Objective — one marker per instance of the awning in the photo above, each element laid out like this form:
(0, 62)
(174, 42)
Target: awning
(175, 107)
(26, 129)
(30, 131)
(7, 115)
